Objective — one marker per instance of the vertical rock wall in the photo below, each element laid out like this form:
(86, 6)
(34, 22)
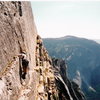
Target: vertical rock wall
(17, 34)
(26, 70)
(46, 87)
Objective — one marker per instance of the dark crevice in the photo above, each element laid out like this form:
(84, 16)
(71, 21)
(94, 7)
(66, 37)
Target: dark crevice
(20, 70)
(5, 13)
(14, 14)
(20, 8)
(23, 67)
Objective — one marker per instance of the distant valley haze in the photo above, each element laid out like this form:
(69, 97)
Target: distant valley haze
(82, 57)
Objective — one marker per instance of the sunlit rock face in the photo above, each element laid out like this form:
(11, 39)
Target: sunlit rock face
(26, 70)
(25, 66)
(77, 79)
(17, 34)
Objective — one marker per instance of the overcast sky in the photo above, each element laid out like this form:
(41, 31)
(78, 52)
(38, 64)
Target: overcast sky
(61, 18)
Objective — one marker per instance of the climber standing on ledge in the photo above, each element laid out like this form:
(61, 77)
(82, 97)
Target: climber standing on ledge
(24, 65)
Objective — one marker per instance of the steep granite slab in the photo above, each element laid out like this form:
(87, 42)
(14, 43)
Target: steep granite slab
(26, 70)
(17, 34)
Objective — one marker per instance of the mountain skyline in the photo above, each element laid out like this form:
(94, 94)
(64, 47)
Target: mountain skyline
(96, 40)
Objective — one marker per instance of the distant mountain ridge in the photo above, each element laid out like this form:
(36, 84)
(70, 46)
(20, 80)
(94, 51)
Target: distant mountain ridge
(80, 54)
(97, 40)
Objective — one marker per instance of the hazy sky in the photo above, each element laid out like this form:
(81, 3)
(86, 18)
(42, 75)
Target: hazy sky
(61, 18)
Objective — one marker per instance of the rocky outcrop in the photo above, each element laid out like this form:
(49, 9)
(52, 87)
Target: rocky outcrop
(26, 70)
(68, 90)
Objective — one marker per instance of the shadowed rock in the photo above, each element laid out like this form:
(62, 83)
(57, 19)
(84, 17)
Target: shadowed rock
(68, 90)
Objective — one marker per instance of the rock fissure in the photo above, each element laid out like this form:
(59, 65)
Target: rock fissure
(32, 74)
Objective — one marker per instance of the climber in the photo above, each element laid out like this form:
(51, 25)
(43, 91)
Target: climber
(24, 64)
(39, 41)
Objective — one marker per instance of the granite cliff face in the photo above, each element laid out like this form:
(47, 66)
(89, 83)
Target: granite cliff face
(17, 34)
(26, 70)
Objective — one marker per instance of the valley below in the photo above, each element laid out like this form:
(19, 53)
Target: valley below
(82, 57)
